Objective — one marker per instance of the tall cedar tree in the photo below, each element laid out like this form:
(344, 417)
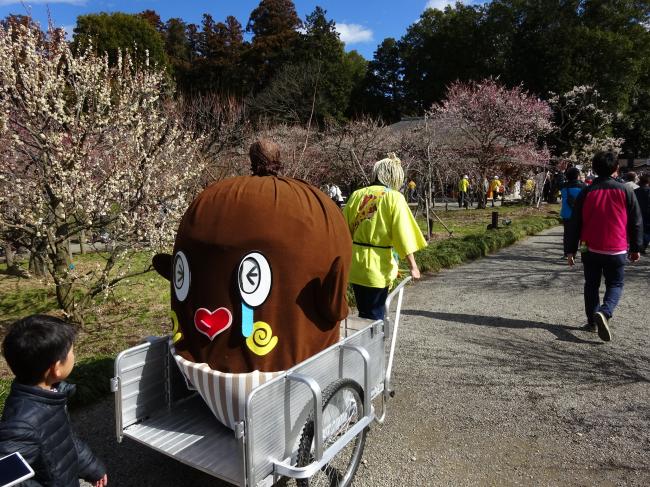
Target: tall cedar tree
(154, 19)
(383, 84)
(322, 50)
(274, 25)
(177, 47)
(219, 47)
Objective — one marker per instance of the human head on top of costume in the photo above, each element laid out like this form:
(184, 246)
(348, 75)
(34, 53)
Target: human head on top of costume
(265, 158)
(573, 173)
(388, 172)
(604, 164)
(495, 177)
(465, 177)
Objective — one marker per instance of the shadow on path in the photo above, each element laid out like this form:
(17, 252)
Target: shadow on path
(545, 361)
(562, 332)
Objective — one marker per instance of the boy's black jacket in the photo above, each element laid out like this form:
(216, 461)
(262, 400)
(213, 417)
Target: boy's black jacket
(35, 423)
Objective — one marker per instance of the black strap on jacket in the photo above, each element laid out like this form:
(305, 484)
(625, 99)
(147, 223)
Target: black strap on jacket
(370, 245)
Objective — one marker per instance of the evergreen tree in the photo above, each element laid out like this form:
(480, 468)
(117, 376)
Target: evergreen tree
(440, 48)
(220, 47)
(383, 85)
(118, 31)
(177, 47)
(154, 19)
(322, 48)
(274, 25)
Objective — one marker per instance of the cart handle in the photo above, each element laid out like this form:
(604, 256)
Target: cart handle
(392, 331)
(366, 376)
(318, 410)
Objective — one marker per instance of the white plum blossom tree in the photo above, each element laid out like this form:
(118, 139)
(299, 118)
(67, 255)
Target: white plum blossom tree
(583, 125)
(87, 147)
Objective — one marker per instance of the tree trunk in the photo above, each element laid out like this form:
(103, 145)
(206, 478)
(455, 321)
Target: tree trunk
(482, 197)
(13, 267)
(61, 268)
(37, 262)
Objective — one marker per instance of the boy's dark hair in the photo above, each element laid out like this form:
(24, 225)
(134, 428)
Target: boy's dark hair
(572, 173)
(630, 176)
(34, 344)
(604, 163)
(644, 179)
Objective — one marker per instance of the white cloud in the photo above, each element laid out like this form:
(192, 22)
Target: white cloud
(354, 33)
(440, 4)
(4, 3)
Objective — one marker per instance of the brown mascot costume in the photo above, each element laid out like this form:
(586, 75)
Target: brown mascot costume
(258, 281)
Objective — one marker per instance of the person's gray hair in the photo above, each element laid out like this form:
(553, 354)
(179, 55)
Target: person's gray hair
(389, 172)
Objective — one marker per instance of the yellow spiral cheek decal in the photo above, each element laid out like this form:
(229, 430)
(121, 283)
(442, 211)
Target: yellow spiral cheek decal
(261, 340)
(176, 332)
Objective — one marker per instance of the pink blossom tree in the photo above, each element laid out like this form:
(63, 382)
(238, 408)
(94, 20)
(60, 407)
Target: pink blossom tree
(87, 148)
(497, 129)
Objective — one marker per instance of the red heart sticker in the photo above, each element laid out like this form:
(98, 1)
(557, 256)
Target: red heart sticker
(211, 323)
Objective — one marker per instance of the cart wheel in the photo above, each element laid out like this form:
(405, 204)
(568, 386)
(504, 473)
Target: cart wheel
(342, 408)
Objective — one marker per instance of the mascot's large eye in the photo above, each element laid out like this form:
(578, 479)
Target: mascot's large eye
(255, 279)
(181, 277)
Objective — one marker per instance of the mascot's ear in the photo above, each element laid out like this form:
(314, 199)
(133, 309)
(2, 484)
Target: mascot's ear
(333, 304)
(163, 265)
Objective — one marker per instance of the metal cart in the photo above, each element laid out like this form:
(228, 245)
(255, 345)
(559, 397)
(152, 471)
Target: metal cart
(308, 424)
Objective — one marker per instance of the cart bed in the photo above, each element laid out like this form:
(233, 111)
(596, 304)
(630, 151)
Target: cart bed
(190, 434)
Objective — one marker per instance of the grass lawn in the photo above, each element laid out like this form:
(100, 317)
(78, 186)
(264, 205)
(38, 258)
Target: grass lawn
(139, 307)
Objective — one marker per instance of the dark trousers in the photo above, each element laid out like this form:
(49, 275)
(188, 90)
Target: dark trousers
(613, 268)
(370, 301)
(463, 200)
(565, 222)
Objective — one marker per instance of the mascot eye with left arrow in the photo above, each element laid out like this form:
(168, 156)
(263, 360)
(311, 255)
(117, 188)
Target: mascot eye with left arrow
(255, 281)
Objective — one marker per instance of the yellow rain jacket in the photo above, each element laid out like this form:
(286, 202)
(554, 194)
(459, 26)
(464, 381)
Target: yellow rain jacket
(380, 220)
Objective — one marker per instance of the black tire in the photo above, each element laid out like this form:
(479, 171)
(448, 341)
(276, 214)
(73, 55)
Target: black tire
(340, 471)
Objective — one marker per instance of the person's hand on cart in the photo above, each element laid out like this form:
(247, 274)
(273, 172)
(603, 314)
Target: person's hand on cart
(413, 267)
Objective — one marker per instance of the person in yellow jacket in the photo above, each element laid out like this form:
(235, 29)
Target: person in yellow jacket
(463, 192)
(381, 225)
(493, 192)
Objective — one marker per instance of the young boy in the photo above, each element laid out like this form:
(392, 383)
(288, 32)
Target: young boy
(39, 351)
(570, 191)
(605, 217)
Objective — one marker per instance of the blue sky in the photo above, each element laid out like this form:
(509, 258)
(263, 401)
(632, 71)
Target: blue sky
(363, 24)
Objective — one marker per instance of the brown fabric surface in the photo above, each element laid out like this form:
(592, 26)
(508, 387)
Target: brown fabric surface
(302, 234)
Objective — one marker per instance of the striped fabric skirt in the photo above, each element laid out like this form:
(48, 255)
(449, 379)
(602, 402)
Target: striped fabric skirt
(224, 393)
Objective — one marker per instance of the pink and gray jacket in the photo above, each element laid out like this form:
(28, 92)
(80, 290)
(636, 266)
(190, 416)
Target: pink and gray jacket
(607, 217)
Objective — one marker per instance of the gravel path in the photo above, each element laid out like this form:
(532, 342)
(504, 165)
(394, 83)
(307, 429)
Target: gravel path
(496, 385)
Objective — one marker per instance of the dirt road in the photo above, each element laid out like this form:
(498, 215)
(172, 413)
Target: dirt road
(496, 385)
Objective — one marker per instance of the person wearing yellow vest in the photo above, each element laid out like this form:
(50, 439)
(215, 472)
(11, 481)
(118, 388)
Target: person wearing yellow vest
(493, 192)
(411, 187)
(382, 228)
(463, 192)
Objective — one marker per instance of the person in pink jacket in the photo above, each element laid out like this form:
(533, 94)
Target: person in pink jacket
(606, 222)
